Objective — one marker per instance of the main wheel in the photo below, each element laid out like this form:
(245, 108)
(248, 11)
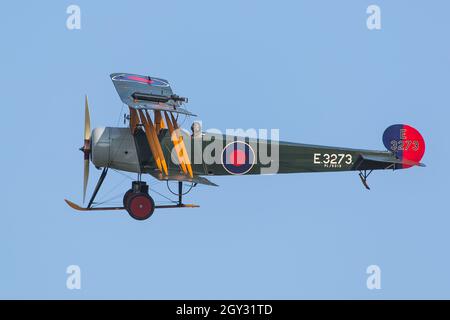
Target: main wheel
(140, 206)
(126, 196)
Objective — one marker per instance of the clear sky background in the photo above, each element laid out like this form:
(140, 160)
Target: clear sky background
(310, 68)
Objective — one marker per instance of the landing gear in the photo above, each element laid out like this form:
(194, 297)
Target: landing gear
(140, 206)
(137, 201)
(136, 186)
(126, 196)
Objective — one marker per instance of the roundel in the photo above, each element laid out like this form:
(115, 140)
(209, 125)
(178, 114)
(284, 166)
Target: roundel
(405, 142)
(238, 157)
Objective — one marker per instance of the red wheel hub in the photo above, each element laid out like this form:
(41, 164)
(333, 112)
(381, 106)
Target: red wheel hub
(141, 207)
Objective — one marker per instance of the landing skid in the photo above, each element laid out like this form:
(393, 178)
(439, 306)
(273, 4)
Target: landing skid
(363, 175)
(79, 208)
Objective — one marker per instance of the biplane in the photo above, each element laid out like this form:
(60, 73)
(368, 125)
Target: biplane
(154, 144)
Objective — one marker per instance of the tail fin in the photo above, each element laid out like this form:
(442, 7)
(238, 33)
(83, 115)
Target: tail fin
(406, 143)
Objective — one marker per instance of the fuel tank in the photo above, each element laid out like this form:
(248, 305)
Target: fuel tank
(114, 148)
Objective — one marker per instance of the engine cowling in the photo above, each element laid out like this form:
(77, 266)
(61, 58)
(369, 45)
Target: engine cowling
(114, 148)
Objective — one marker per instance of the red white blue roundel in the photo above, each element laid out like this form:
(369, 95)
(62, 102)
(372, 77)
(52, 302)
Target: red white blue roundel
(155, 82)
(238, 157)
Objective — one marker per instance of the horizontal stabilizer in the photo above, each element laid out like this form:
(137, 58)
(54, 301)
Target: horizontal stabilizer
(388, 161)
(183, 178)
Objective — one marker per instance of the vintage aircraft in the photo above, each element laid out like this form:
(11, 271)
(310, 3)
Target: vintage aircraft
(155, 144)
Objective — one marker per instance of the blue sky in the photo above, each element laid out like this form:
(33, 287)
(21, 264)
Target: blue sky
(310, 68)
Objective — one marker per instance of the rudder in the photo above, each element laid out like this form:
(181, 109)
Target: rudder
(406, 143)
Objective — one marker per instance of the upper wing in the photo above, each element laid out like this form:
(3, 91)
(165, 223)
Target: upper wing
(144, 92)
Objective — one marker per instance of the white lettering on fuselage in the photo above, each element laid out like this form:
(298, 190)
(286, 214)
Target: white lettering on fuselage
(332, 160)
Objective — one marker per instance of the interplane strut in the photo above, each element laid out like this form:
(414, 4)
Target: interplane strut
(152, 129)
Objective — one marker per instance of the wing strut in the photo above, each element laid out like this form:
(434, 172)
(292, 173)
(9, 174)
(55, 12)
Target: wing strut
(182, 146)
(142, 117)
(97, 187)
(157, 143)
(151, 143)
(176, 144)
(94, 194)
(159, 122)
(134, 120)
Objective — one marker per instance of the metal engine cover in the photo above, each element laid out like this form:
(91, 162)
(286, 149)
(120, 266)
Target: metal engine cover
(114, 148)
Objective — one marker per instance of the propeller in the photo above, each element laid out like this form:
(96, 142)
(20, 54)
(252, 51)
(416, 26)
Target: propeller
(86, 149)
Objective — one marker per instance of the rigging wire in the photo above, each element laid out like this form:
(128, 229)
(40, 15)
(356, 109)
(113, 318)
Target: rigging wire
(172, 201)
(123, 174)
(107, 200)
(126, 176)
(112, 189)
(120, 115)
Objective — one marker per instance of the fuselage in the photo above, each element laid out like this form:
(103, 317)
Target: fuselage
(117, 148)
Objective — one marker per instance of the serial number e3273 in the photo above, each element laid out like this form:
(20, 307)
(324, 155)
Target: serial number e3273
(333, 160)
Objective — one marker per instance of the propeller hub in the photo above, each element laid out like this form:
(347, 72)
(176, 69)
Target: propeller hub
(86, 149)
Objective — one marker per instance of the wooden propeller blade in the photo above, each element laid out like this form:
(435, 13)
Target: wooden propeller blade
(85, 177)
(87, 120)
(176, 145)
(157, 143)
(151, 143)
(87, 145)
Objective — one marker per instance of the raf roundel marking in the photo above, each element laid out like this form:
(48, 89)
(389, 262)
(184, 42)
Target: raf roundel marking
(155, 82)
(238, 157)
(405, 142)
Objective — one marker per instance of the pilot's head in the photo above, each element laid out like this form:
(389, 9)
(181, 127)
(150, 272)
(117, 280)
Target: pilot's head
(196, 129)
